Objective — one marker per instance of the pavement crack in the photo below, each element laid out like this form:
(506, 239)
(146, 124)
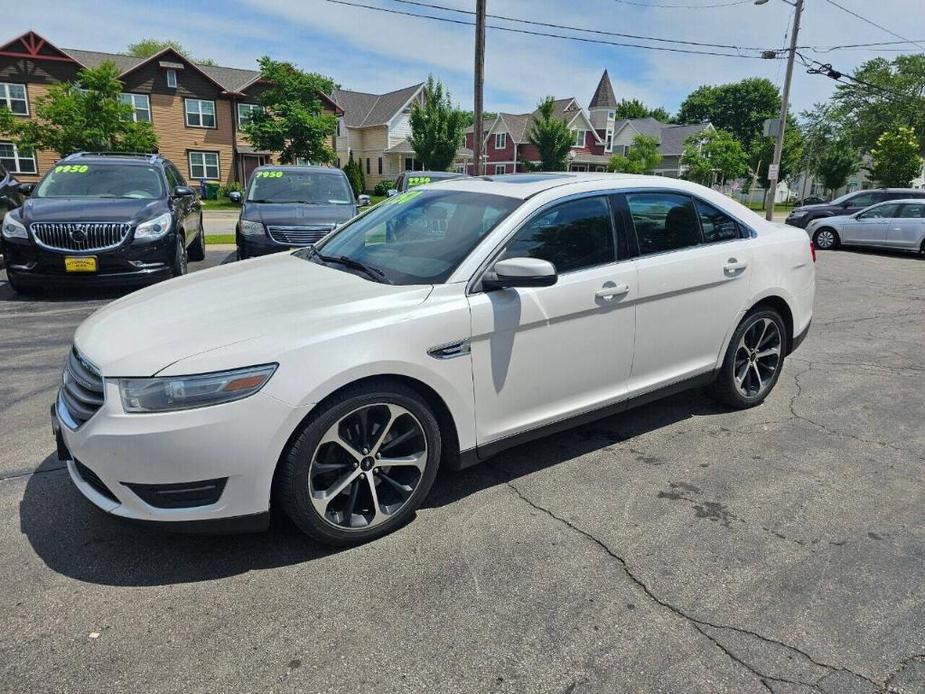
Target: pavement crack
(15, 474)
(903, 664)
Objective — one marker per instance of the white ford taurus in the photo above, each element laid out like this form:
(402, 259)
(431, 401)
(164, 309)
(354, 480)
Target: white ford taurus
(439, 328)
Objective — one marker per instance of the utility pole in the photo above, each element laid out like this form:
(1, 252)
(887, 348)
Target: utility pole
(477, 135)
(784, 107)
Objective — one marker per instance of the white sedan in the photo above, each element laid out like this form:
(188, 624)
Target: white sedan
(896, 224)
(443, 326)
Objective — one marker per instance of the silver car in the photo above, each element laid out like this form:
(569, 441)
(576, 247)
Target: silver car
(896, 224)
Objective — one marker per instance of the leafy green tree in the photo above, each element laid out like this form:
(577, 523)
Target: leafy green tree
(487, 118)
(762, 152)
(643, 156)
(436, 127)
(896, 159)
(739, 108)
(293, 121)
(147, 47)
(837, 161)
(551, 137)
(713, 155)
(634, 108)
(87, 115)
(354, 172)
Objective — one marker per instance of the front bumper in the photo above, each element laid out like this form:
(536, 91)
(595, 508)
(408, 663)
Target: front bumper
(800, 221)
(115, 460)
(254, 246)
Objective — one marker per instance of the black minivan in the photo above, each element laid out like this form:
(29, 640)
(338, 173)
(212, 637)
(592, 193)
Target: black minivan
(100, 218)
(291, 206)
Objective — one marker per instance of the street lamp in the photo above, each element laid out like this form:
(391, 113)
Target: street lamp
(774, 168)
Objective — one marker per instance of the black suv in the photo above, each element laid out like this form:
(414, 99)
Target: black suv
(104, 219)
(849, 204)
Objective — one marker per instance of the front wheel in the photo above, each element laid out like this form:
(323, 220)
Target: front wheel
(753, 361)
(362, 466)
(179, 265)
(197, 251)
(826, 239)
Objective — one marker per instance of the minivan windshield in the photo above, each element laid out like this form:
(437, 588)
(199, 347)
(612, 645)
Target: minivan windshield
(418, 237)
(306, 187)
(101, 180)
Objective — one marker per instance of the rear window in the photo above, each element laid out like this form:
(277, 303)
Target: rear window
(96, 180)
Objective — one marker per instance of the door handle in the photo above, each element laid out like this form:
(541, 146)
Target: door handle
(612, 291)
(733, 266)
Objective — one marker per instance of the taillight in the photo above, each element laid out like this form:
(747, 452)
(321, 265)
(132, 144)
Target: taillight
(812, 250)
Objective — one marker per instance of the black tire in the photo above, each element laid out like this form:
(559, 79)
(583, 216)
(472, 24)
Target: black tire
(725, 388)
(829, 237)
(20, 289)
(179, 265)
(292, 487)
(197, 251)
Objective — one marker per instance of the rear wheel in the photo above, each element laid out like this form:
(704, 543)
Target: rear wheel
(753, 361)
(197, 251)
(826, 239)
(362, 466)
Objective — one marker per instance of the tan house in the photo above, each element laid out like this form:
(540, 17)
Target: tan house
(196, 110)
(375, 128)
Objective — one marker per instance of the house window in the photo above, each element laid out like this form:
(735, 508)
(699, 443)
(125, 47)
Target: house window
(367, 165)
(14, 161)
(13, 96)
(172, 79)
(500, 169)
(611, 115)
(608, 141)
(500, 140)
(247, 111)
(200, 113)
(340, 127)
(579, 138)
(380, 166)
(460, 168)
(141, 107)
(203, 165)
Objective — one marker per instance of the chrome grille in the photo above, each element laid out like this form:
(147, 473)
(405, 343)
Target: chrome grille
(80, 236)
(299, 235)
(82, 392)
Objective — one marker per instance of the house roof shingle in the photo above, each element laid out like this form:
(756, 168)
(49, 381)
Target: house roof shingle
(673, 137)
(362, 110)
(603, 95)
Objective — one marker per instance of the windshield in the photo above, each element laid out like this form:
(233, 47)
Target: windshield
(101, 181)
(307, 187)
(418, 237)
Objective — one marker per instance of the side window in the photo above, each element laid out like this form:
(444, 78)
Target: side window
(863, 200)
(717, 226)
(880, 212)
(572, 236)
(172, 180)
(912, 211)
(663, 222)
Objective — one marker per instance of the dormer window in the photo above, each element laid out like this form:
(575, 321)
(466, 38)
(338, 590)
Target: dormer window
(500, 140)
(172, 79)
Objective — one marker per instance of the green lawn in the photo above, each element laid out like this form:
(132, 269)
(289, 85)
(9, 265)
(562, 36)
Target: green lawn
(219, 238)
(778, 207)
(223, 204)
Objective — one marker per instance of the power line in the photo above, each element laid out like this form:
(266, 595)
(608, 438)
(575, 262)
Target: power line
(582, 29)
(529, 32)
(873, 23)
(684, 7)
(830, 72)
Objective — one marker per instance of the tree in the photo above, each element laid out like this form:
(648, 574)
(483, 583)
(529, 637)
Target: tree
(88, 115)
(712, 155)
(634, 108)
(436, 128)
(147, 47)
(762, 152)
(354, 172)
(643, 156)
(551, 137)
(837, 161)
(292, 120)
(740, 108)
(896, 159)
(487, 118)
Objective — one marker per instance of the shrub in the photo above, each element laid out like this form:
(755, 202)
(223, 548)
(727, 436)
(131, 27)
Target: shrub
(235, 187)
(383, 187)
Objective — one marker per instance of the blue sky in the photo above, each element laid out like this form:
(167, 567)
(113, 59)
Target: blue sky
(372, 51)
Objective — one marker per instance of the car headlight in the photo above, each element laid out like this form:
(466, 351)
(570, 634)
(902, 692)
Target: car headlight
(249, 228)
(154, 228)
(13, 229)
(796, 214)
(169, 393)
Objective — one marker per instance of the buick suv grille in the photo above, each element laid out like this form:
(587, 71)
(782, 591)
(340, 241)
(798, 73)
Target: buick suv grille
(299, 235)
(82, 392)
(80, 236)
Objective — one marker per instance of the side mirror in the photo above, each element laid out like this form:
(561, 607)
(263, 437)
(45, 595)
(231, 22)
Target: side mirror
(183, 192)
(391, 193)
(520, 272)
(235, 197)
(25, 188)
(362, 200)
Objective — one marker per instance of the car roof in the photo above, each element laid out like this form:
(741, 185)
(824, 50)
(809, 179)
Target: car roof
(526, 185)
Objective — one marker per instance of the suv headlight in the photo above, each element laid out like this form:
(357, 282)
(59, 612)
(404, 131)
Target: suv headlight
(169, 393)
(249, 228)
(13, 229)
(154, 228)
(798, 213)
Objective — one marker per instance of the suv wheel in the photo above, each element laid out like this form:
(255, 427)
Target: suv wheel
(753, 362)
(179, 266)
(362, 466)
(197, 251)
(18, 288)
(826, 239)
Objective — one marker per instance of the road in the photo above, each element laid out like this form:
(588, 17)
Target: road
(678, 547)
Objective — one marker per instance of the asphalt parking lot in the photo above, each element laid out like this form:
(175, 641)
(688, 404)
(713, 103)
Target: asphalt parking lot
(678, 547)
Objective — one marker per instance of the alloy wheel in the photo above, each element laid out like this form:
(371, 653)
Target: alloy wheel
(757, 357)
(367, 466)
(825, 239)
(182, 261)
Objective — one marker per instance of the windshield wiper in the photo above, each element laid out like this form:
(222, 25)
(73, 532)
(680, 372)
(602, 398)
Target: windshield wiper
(347, 261)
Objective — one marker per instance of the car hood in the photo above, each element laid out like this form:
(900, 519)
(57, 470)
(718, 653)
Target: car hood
(823, 207)
(296, 214)
(90, 209)
(828, 220)
(273, 301)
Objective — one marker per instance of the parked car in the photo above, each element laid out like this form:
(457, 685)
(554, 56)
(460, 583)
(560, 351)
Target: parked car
(898, 225)
(100, 218)
(288, 207)
(811, 200)
(849, 204)
(435, 330)
(11, 195)
(412, 179)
